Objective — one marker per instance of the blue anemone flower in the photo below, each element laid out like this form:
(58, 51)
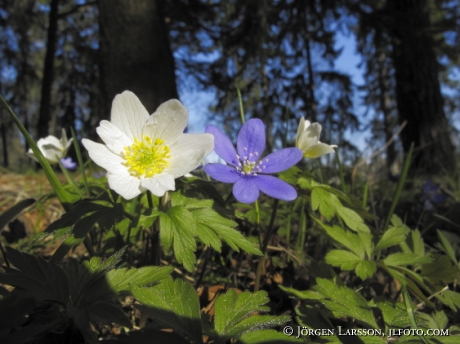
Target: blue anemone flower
(432, 194)
(246, 168)
(68, 163)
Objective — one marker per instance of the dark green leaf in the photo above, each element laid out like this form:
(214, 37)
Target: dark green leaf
(174, 304)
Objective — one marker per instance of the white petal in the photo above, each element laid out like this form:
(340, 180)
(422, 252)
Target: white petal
(188, 152)
(64, 141)
(114, 138)
(186, 142)
(318, 150)
(128, 114)
(50, 140)
(125, 185)
(309, 137)
(105, 158)
(159, 184)
(168, 122)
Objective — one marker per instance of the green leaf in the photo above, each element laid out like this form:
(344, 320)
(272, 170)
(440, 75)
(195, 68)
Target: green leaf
(446, 245)
(415, 243)
(440, 271)
(107, 313)
(346, 238)
(233, 314)
(352, 219)
(45, 280)
(14, 211)
(211, 226)
(397, 259)
(345, 301)
(365, 269)
(393, 236)
(96, 264)
(343, 259)
(394, 314)
(325, 202)
(450, 298)
(267, 337)
(177, 228)
(121, 280)
(174, 304)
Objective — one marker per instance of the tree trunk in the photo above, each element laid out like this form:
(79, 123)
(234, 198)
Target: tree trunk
(135, 52)
(48, 72)
(418, 91)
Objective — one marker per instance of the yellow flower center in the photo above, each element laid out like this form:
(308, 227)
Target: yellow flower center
(146, 158)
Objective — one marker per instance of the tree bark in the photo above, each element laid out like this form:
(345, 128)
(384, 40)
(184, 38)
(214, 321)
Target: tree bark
(48, 72)
(135, 52)
(418, 91)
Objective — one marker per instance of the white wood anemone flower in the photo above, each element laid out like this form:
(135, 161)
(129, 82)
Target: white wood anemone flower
(307, 140)
(52, 148)
(143, 152)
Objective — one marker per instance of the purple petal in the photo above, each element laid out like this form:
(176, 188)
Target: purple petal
(245, 190)
(222, 173)
(276, 188)
(281, 160)
(222, 145)
(251, 139)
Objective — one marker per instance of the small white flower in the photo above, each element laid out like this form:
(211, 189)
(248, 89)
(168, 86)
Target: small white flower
(143, 152)
(52, 148)
(307, 140)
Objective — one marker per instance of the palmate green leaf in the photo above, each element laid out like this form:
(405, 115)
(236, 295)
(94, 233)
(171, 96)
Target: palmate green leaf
(414, 244)
(445, 245)
(177, 229)
(121, 280)
(440, 271)
(211, 226)
(345, 301)
(97, 264)
(45, 280)
(450, 298)
(397, 259)
(365, 269)
(325, 202)
(394, 314)
(174, 304)
(393, 236)
(233, 314)
(107, 313)
(352, 219)
(212, 223)
(344, 259)
(267, 337)
(346, 238)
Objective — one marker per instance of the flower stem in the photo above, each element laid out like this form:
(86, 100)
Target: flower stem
(268, 235)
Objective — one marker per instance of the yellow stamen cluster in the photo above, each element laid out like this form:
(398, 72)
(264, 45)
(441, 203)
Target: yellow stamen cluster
(146, 158)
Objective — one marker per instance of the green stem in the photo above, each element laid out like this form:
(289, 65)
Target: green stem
(80, 161)
(63, 196)
(268, 235)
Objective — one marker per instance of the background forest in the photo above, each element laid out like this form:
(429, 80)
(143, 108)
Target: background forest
(321, 235)
(63, 61)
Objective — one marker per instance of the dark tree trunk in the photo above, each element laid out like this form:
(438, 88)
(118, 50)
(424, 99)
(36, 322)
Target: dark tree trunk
(418, 91)
(48, 72)
(135, 52)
